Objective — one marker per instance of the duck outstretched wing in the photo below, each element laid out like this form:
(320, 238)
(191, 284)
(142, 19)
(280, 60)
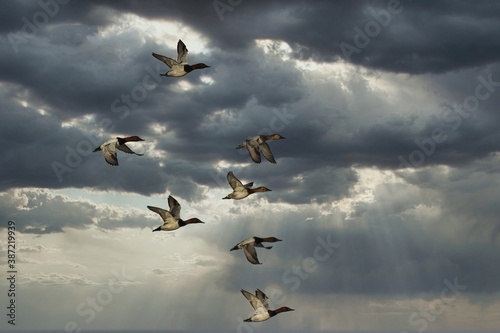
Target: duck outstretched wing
(266, 151)
(253, 150)
(233, 181)
(182, 53)
(175, 207)
(168, 61)
(254, 301)
(124, 148)
(251, 254)
(110, 154)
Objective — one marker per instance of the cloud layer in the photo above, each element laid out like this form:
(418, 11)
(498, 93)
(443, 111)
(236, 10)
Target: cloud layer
(384, 189)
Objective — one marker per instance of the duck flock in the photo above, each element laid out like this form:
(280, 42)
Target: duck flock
(172, 220)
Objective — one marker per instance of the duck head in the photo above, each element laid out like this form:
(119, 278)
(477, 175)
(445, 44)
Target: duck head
(193, 220)
(199, 66)
(261, 189)
(273, 313)
(284, 309)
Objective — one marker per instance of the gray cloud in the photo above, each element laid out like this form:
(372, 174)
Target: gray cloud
(250, 87)
(80, 80)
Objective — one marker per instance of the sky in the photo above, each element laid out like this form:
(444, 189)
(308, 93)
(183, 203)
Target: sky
(385, 191)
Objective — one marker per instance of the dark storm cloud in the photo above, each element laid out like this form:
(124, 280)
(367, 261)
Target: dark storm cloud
(41, 153)
(28, 18)
(411, 37)
(74, 80)
(70, 71)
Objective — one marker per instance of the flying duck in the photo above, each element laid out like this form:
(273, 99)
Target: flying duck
(260, 303)
(241, 191)
(172, 219)
(257, 144)
(109, 148)
(248, 245)
(179, 67)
